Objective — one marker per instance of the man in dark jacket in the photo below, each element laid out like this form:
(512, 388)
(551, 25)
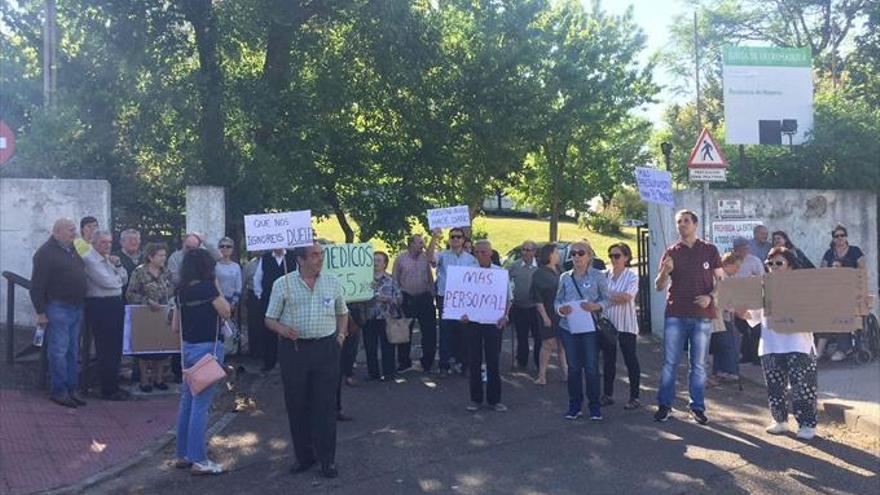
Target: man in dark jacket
(58, 290)
(273, 266)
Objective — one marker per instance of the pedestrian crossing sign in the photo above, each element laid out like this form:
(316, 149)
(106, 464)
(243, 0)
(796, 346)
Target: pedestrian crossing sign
(706, 153)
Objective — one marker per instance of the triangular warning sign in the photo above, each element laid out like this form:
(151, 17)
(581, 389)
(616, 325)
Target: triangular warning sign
(707, 153)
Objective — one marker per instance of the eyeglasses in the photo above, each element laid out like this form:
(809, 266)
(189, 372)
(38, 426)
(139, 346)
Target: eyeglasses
(840, 236)
(226, 246)
(774, 263)
(456, 236)
(616, 255)
(578, 253)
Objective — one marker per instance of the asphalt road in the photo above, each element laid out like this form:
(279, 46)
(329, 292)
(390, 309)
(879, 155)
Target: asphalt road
(415, 437)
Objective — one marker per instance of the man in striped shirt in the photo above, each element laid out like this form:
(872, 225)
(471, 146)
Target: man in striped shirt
(412, 272)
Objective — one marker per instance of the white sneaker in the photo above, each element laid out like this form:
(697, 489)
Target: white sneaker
(206, 467)
(777, 429)
(806, 433)
(838, 356)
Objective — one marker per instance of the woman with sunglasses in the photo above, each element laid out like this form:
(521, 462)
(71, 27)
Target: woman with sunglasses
(780, 238)
(623, 285)
(788, 359)
(230, 282)
(840, 255)
(581, 289)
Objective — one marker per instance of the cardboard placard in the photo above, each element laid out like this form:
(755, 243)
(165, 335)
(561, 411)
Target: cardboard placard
(353, 265)
(479, 293)
(740, 293)
(148, 331)
(284, 230)
(447, 218)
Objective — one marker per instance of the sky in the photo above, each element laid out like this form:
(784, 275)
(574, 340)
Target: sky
(654, 17)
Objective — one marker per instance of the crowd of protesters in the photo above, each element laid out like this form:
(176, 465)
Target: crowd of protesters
(299, 319)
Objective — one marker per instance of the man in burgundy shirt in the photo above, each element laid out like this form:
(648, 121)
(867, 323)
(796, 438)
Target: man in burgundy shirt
(692, 266)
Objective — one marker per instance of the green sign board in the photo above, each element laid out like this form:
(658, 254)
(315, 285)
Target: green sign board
(353, 265)
(767, 56)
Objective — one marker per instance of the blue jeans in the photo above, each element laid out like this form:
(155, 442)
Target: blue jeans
(582, 354)
(192, 417)
(726, 359)
(63, 351)
(697, 332)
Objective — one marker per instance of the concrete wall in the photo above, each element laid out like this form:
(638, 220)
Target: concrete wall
(28, 208)
(206, 213)
(806, 215)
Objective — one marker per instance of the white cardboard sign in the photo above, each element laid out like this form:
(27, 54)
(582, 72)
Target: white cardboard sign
(447, 218)
(655, 186)
(479, 293)
(284, 230)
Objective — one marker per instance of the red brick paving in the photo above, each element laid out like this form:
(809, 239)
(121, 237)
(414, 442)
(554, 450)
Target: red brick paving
(44, 446)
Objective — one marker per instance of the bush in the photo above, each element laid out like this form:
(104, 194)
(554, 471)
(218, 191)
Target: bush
(606, 222)
(630, 205)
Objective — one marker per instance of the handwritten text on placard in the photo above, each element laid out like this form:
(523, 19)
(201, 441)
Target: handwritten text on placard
(446, 218)
(479, 293)
(278, 230)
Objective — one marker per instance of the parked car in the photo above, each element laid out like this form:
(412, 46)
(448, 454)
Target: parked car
(563, 246)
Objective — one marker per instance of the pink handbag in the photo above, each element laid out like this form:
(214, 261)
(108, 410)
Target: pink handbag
(206, 372)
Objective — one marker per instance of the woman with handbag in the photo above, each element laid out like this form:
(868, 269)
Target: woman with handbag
(384, 306)
(583, 289)
(200, 308)
(623, 285)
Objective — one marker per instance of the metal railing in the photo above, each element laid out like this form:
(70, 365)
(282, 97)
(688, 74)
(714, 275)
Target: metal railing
(12, 279)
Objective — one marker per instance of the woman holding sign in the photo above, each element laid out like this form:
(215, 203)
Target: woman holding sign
(788, 359)
(150, 284)
(582, 291)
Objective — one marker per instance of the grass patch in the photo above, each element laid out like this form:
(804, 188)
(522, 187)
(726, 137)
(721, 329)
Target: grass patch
(506, 233)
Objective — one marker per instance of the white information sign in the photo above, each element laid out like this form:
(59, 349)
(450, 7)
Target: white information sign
(479, 293)
(768, 95)
(723, 232)
(655, 186)
(446, 218)
(707, 174)
(278, 230)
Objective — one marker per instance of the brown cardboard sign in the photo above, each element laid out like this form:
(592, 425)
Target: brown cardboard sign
(817, 300)
(148, 331)
(741, 292)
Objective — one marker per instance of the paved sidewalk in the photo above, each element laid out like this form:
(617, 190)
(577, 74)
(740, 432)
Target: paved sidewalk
(45, 446)
(849, 393)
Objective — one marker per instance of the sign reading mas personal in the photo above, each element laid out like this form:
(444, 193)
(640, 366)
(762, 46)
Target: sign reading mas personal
(768, 95)
(283, 230)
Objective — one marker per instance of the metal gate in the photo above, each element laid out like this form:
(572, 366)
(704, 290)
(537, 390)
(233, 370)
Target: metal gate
(645, 283)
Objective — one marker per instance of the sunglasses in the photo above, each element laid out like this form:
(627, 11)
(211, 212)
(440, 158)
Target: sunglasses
(615, 255)
(456, 236)
(840, 236)
(774, 263)
(226, 246)
(578, 253)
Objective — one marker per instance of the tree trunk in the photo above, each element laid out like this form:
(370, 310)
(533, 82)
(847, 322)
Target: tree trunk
(214, 163)
(332, 199)
(555, 204)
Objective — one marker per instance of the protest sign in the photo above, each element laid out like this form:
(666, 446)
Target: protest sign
(446, 218)
(723, 232)
(148, 331)
(278, 230)
(655, 186)
(353, 265)
(479, 293)
(580, 320)
(740, 293)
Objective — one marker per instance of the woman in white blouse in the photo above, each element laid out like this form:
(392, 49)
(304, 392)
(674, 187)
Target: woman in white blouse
(623, 285)
(788, 359)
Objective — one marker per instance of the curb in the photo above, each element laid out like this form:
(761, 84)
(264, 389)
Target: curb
(149, 451)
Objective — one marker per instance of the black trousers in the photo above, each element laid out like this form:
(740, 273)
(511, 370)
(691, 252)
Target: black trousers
(269, 338)
(374, 338)
(255, 324)
(525, 321)
(347, 357)
(751, 336)
(453, 342)
(309, 372)
(105, 315)
(484, 342)
(608, 351)
(420, 307)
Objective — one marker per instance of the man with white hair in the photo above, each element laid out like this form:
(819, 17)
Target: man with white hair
(524, 314)
(105, 310)
(130, 252)
(58, 289)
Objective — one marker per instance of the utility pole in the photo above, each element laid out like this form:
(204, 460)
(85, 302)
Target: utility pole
(705, 184)
(50, 47)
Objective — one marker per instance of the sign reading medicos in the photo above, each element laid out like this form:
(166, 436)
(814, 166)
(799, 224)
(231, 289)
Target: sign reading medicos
(768, 95)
